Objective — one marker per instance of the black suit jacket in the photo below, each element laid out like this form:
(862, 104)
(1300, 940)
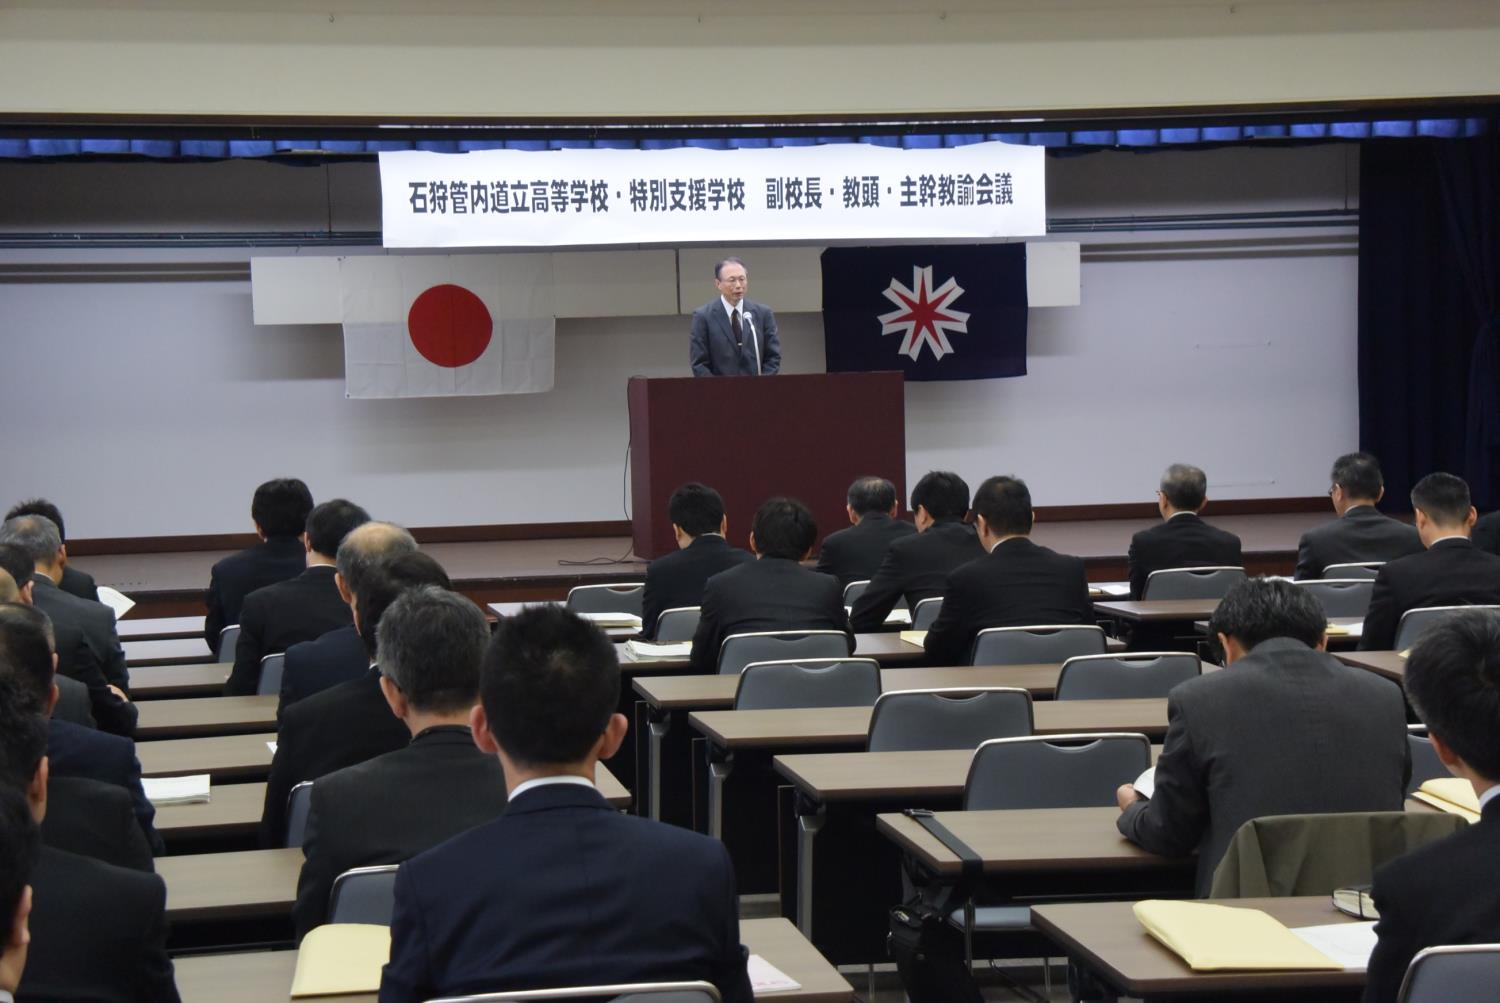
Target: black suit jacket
(1442, 893)
(677, 579)
(768, 594)
(854, 554)
(1018, 584)
(77, 583)
(1183, 541)
(328, 731)
(1487, 533)
(392, 808)
(1286, 730)
(274, 618)
(98, 933)
(1360, 534)
(88, 649)
(711, 347)
(95, 819)
(1450, 573)
(313, 666)
(236, 576)
(74, 702)
(563, 890)
(916, 567)
(74, 751)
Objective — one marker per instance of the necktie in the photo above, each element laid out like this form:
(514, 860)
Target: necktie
(739, 339)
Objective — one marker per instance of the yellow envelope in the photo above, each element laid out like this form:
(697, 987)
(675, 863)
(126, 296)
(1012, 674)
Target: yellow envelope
(1215, 938)
(341, 958)
(917, 637)
(1453, 795)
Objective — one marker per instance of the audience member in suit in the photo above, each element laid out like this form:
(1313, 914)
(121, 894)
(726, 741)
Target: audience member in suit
(854, 554)
(74, 582)
(340, 655)
(1450, 572)
(88, 648)
(299, 609)
(279, 510)
(774, 592)
(1017, 584)
(351, 722)
(560, 890)
(98, 932)
(917, 566)
(394, 806)
(1182, 540)
(1487, 533)
(19, 847)
(1361, 534)
(97, 820)
(73, 702)
(677, 579)
(1285, 729)
(1447, 892)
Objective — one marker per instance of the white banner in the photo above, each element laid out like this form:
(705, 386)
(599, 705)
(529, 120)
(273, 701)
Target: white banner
(841, 191)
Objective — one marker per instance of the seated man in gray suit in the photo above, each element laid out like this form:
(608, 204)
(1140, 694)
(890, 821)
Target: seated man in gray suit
(1285, 729)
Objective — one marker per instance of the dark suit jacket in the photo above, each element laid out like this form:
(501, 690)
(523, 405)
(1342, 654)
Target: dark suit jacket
(74, 751)
(564, 890)
(75, 582)
(98, 933)
(768, 594)
(1183, 541)
(1442, 893)
(274, 618)
(392, 808)
(916, 567)
(1361, 534)
(238, 575)
(1450, 573)
(74, 702)
(1487, 533)
(1018, 584)
(88, 649)
(313, 666)
(1286, 730)
(328, 731)
(855, 553)
(677, 579)
(95, 819)
(711, 348)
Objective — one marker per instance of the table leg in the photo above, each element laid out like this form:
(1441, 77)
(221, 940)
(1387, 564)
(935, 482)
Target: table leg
(810, 819)
(720, 764)
(658, 723)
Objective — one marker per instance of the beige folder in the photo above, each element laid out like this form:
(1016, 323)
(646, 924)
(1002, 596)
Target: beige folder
(1215, 938)
(1453, 795)
(341, 958)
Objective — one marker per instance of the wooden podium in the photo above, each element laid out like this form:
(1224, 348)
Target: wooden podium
(751, 438)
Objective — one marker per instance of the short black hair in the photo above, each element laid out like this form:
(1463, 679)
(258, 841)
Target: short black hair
(385, 583)
(40, 506)
(784, 527)
(1453, 682)
(719, 265)
(20, 841)
(328, 524)
(1184, 486)
(697, 508)
(26, 650)
(431, 643)
(1258, 609)
(23, 734)
(280, 507)
(871, 494)
(1359, 475)
(18, 562)
(1443, 497)
(549, 683)
(943, 493)
(1005, 504)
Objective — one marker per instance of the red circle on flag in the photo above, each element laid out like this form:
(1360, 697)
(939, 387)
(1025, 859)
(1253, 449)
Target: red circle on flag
(449, 325)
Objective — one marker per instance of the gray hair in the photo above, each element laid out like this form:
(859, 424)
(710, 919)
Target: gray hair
(431, 642)
(1185, 486)
(35, 534)
(365, 547)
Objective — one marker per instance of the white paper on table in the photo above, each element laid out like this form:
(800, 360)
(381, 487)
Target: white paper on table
(1145, 784)
(645, 651)
(116, 600)
(899, 618)
(1112, 588)
(613, 619)
(272, 747)
(192, 789)
(767, 978)
(1349, 944)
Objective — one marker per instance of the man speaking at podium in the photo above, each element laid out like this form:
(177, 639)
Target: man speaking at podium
(731, 335)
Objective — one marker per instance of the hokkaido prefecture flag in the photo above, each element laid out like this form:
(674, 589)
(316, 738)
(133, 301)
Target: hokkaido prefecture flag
(447, 325)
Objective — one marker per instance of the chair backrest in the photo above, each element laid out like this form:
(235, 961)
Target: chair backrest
(229, 637)
(1054, 771)
(1340, 596)
(1460, 973)
(1414, 622)
(1191, 583)
(364, 895)
(623, 597)
(809, 682)
(1425, 764)
(853, 590)
(298, 803)
(905, 720)
(677, 624)
(270, 674)
(740, 650)
(1043, 643)
(632, 992)
(1362, 569)
(1141, 675)
(925, 612)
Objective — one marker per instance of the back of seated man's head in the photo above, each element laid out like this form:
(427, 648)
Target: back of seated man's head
(280, 507)
(696, 509)
(42, 507)
(23, 743)
(9, 592)
(1259, 609)
(18, 564)
(549, 685)
(20, 842)
(1453, 682)
(1442, 504)
(328, 524)
(783, 527)
(431, 643)
(942, 493)
(1357, 476)
(26, 647)
(36, 535)
(384, 583)
(1005, 505)
(869, 495)
(367, 546)
(1184, 487)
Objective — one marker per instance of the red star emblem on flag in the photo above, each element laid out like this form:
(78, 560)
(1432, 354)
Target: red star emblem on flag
(926, 315)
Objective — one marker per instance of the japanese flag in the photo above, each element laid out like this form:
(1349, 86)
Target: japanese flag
(447, 325)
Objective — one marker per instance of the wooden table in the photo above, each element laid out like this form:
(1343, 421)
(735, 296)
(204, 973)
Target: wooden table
(887, 648)
(232, 810)
(245, 884)
(204, 716)
(223, 757)
(176, 651)
(198, 679)
(160, 628)
(1389, 664)
(1158, 610)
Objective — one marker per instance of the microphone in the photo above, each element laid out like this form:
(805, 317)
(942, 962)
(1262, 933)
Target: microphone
(754, 338)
